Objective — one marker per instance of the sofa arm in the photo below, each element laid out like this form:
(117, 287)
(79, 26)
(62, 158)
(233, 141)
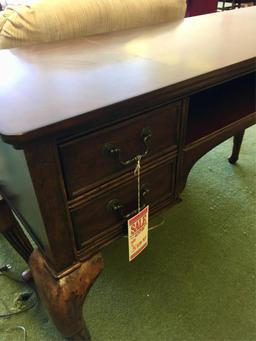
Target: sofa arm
(51, 20)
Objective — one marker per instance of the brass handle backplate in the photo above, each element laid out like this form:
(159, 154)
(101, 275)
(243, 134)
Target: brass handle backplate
(117, 208)
(115, 152)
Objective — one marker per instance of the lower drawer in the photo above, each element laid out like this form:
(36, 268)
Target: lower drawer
(94, 221)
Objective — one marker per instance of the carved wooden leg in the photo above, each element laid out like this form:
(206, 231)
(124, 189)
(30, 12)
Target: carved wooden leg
(12, 231)
(64, 297)
(236, 147)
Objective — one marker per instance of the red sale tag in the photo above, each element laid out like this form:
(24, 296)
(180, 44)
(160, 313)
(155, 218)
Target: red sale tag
(138, 233)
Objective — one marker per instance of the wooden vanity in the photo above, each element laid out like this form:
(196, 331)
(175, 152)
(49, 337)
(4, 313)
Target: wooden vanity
(73, 117)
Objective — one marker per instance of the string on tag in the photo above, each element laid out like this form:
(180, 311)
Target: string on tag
(137, 173)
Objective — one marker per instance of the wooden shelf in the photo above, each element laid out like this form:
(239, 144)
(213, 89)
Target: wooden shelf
(229, 101)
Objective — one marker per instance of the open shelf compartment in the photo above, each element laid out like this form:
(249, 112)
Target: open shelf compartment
(229, 101)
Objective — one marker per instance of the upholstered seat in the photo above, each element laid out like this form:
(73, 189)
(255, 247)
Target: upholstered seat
(51, 20)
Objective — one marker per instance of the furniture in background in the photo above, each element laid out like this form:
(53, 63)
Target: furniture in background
(5, 3)
(244, 2)
(232, 4)
(76, 107)
(226, 5)
(199, 7)
(46, 20)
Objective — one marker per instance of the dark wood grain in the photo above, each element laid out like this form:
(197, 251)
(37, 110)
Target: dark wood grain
(85, 164)
(12, 231)
(87, 75)
(193, 152)
(60, 104)
(238, 139)
(159, 181)
(217, 107)
(64, 298)
(44, 168)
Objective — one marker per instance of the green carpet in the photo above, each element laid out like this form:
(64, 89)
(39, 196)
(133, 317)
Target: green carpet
(195, 282)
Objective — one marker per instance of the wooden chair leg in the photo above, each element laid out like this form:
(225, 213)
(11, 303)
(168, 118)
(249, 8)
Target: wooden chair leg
(12, 231)
(64, 297)
(238, 139)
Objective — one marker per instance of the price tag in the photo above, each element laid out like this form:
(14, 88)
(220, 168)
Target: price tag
(138, 233)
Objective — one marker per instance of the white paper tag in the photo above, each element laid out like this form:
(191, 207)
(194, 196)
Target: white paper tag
(138, 233)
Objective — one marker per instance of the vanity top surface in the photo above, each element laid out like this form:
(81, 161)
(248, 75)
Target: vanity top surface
(42, 85)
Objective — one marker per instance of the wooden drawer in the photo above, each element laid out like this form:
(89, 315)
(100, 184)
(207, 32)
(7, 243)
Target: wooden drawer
(86, 164)
(94, 221)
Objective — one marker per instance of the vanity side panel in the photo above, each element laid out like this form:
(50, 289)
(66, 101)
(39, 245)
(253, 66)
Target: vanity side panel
(17, 185)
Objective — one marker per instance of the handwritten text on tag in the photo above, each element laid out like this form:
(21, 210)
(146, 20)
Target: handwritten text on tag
(138, 233)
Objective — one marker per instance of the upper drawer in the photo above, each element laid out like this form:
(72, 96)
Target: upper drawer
(86, 162)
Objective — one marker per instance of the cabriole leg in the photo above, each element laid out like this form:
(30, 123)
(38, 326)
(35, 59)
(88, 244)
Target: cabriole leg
(64, 297)
(238, 138)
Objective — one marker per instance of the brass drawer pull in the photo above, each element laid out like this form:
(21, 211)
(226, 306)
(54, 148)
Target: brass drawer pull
(116, 207)
(114, 151)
